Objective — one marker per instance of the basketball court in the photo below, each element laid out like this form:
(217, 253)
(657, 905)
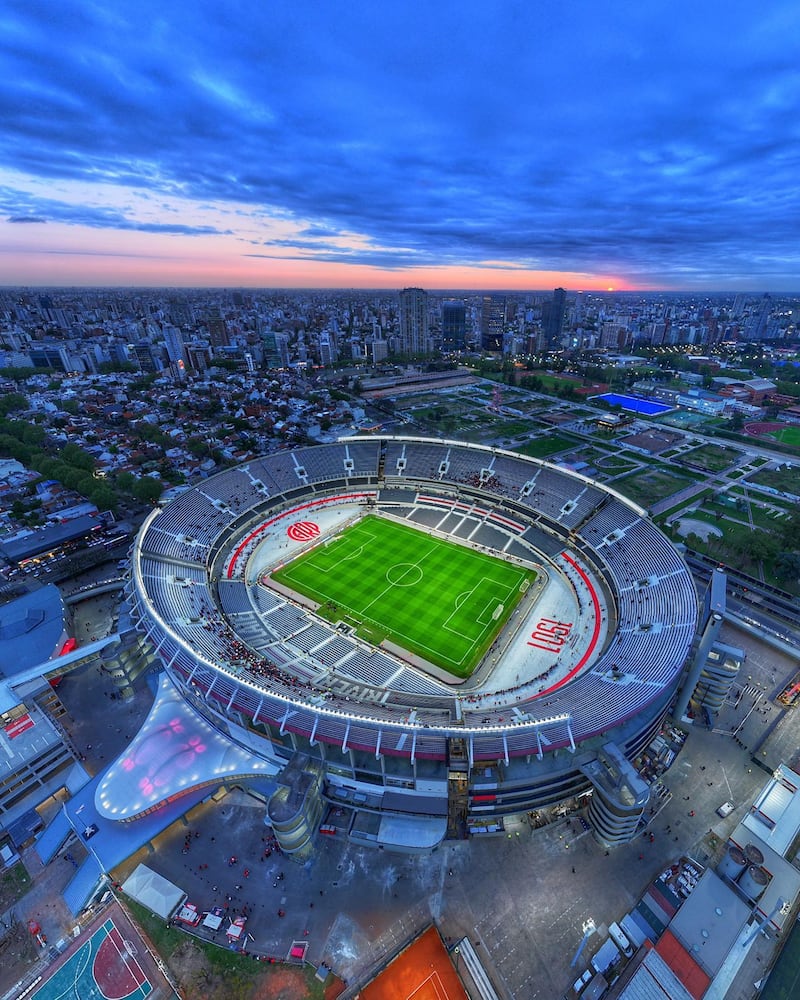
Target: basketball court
(422, 971)
(104, 966)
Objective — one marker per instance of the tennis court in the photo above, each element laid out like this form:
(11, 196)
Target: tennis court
(442, 601)
(423, 971)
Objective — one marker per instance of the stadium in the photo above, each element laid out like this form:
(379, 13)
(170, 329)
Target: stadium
(417, 638)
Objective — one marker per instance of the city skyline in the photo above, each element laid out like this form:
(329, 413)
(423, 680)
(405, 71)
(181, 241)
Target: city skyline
(458, 146)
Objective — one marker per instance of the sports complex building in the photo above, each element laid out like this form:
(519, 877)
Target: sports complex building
(412, 638)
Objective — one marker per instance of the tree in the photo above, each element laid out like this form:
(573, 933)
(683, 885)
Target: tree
(790, 532)
(762, 547)
(787, 566)
(12, 401)
(103, 496)
(533, 383)
(147, 489)
(18, 375)
(74, 455)
(33, 434)
(126, 482)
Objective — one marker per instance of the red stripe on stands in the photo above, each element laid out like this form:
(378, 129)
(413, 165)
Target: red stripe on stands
(595, 631)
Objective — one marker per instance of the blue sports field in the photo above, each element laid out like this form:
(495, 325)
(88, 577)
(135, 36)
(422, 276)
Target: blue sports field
(644, 406)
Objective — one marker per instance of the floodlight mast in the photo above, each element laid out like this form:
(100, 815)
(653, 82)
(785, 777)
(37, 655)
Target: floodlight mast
(588, 929)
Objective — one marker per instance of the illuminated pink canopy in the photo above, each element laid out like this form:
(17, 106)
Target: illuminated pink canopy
(175, 750)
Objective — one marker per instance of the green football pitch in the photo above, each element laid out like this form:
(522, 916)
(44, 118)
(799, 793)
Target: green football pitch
(439, 600)
(787, 435)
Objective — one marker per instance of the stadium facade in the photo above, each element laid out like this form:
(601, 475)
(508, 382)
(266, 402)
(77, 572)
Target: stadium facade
(573, 688)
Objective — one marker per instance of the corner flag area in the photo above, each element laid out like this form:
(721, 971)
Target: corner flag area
(422, 971)
(442, 601)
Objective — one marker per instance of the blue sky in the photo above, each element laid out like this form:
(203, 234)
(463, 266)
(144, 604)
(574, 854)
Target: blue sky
(472, 144)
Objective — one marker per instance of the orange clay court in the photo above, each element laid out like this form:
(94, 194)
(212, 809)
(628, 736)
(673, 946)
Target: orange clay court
(423, 971)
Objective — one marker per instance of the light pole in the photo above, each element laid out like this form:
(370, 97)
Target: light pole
(456, 952)
(588, 930)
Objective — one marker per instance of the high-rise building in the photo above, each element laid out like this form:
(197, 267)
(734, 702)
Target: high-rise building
(144, 356)
(413, 321)
(757, 326)
(52, 356)
(327, 348)
(454, 326)
(173, 341)
(199, 356)
(271, 346)
(282, 347)
(493, 319)
(218, 331)
(553, 317)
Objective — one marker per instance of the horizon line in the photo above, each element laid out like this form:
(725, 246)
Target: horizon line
(377, 289)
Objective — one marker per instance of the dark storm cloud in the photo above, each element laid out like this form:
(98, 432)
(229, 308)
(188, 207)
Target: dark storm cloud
(660, 142)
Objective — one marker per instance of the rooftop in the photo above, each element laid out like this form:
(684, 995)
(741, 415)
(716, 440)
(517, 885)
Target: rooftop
(774, 816)
(709, 921)
(31, 629)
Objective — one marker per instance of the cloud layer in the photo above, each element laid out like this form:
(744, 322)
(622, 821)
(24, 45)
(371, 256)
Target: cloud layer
(656, 142)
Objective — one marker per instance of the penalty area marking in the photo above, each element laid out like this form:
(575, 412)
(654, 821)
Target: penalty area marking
(491, 611)
(344, 556)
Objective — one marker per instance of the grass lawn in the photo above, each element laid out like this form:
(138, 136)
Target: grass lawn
(671, 514)
(648, 486)
(14, 883)
(616, 464)
(442, 601)
(205, 969)
(764, 516)
(783, 479)
(547, 444)
(711, 457)
(510, 428)
(551, 383)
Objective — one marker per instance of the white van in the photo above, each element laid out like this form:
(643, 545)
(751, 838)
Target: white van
(632, 931)
(617, 935)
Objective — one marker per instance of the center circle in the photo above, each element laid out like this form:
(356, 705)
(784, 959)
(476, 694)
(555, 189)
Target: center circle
(404, 575)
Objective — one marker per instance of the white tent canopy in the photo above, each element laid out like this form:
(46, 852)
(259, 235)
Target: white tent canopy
(153, 891)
